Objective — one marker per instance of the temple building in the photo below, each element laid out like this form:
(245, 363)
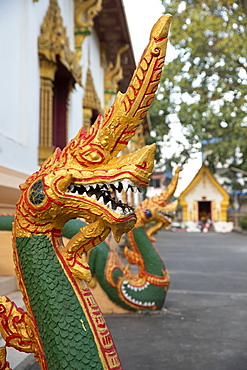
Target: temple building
(62, 64)
(204, 198)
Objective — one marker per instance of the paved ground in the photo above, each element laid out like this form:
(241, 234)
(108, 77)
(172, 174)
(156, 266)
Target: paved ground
(203, 325)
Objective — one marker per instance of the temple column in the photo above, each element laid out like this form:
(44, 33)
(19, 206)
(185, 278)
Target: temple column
(46, 101)
(47, 76)
(224, 205)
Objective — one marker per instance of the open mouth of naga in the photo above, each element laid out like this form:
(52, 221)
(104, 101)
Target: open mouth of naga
(106, 194)
(166, 215)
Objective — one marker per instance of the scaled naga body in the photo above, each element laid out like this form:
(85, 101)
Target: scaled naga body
(63, 325)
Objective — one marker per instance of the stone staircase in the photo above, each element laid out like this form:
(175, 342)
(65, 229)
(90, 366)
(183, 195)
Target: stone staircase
(17, 360)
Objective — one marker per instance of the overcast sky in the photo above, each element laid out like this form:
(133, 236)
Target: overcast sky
(141, 16)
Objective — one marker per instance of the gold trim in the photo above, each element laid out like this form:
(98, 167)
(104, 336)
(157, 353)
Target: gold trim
(53, 42)
(113, 74)
(87, 117)
(213, 212)
(224, 205)
(46, 108)
(195, 211)
(47, 68)
(91, 99)
(84, 13)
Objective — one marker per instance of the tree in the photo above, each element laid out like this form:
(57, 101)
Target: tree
(204, 86)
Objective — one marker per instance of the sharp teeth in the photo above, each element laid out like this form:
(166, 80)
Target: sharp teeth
(119, 210)
(120, 186)
(134, 188)
(71, 188)
(125, 184)
(117, 183)
(101, 200)
(101, 193)
(114, 185)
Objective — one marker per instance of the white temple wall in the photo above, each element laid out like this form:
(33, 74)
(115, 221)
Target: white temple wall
(96, 68)
(20, 80)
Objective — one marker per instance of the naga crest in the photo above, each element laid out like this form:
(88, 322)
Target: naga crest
(79, 180)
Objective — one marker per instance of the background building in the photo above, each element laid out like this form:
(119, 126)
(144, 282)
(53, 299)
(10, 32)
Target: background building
(204, 198)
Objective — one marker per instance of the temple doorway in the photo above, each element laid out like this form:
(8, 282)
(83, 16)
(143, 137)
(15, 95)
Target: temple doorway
(204, 210)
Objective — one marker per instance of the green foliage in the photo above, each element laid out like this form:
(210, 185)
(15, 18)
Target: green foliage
(204, 87)
(243, 223)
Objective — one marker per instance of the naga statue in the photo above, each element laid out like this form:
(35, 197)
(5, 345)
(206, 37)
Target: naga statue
(145, 289)
(62, 324)
(157, 209)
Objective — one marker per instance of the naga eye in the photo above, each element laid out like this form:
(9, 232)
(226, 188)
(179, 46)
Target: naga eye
(91, 156)
(36, 193)
(148, 213)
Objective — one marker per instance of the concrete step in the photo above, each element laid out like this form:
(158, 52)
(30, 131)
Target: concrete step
(8, 284)
(17, 360)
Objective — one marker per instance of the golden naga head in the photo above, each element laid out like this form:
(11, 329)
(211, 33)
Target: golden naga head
(79, 181)
(158, 208)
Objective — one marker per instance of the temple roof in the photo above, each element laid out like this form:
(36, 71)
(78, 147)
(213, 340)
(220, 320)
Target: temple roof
(204, 170)
(112, 29)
